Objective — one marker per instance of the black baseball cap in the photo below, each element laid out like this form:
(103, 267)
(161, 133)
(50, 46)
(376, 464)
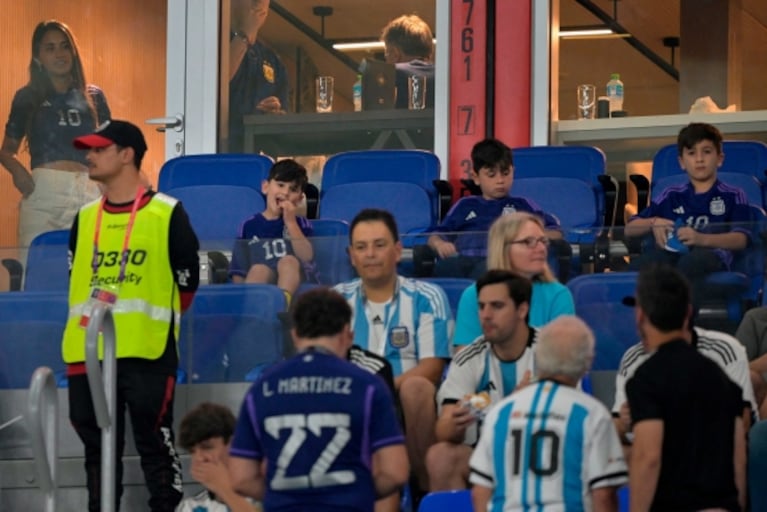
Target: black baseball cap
(122, 133)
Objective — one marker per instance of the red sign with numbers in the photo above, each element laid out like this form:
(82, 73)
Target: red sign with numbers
(467, 85)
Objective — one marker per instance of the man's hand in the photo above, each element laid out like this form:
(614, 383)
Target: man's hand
(660, 230)
(270, 105)
(462, 416)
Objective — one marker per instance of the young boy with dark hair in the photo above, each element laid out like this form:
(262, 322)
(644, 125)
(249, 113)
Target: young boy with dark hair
(206, 433)
(463, 255)
(707, 218)
(272, 246)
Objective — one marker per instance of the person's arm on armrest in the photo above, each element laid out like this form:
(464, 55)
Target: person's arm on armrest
(645, 463)
(390, 469)
(443, 248)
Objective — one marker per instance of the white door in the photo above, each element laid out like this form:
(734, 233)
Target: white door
(192, 78)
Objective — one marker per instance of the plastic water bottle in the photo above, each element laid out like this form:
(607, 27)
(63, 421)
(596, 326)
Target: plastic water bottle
(615, 92)
(357, 94)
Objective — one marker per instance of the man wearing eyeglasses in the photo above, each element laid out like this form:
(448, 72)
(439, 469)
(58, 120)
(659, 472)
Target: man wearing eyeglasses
(492, 367)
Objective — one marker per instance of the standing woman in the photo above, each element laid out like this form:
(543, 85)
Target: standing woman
(55, 107)
(517, 242)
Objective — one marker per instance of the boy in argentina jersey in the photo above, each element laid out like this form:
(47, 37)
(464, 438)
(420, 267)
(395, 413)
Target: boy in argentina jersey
(325, 429)
(709, 220)
(462, 240)
(272, 246)
(494, 365)
(548, 445)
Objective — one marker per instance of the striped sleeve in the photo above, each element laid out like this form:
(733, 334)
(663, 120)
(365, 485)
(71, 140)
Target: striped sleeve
(435, 322)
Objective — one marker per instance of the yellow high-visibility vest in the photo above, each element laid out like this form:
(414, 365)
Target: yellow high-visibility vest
(148, 301)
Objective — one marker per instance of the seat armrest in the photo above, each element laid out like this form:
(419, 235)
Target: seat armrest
(610, 187)
(424, 258)
(643, 190)
(471, 187)
(15, 273)
(312, 194)
(219, 267)
(445, 191)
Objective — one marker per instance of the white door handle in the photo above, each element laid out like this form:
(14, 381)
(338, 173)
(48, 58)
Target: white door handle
(163, 123)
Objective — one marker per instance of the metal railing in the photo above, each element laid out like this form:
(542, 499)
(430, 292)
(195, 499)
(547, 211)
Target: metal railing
(104, 394)
(43, 424)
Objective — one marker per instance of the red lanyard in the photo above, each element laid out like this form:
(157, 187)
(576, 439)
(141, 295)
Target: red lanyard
(126, 240)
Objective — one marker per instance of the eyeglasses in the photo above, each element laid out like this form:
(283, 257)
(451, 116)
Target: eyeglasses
(531, 241)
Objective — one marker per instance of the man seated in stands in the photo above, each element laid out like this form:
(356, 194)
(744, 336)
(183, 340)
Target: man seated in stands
(272, 246)
(550, 443)
(494, 365)
(408, 322)
(690, 224)
(409, 45)
(464, 254)
(206, 433)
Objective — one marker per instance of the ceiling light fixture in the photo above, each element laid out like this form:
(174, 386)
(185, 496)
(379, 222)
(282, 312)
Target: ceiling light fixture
(598, 32)
(358, 46)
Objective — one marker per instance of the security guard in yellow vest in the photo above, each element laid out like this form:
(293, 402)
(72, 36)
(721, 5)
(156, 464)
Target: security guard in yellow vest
(135, 250)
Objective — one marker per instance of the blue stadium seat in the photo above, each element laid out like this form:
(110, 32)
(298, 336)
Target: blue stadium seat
(409, 203)
(218, 169)
(47, 268)
(218, 191)
(453, 287)
(31, 327)
(229, 330)
(441, 501)
(597, 299)
(417, 167)
(330, 242)
(577, 165)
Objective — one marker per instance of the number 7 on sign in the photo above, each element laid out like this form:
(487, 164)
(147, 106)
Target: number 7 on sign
(465, 120)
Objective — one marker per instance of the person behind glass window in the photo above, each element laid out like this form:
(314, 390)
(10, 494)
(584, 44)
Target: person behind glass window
(409, 45)
(53, 108)
(258, 80)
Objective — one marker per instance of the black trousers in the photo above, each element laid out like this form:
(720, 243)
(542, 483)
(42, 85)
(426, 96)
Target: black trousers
(149, 399)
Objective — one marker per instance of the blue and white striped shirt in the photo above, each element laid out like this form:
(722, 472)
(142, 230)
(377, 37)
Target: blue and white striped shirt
(417, 323)
(545, 448)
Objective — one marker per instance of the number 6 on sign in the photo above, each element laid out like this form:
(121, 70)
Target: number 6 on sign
(298, 424)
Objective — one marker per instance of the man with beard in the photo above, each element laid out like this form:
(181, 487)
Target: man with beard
(487, 370)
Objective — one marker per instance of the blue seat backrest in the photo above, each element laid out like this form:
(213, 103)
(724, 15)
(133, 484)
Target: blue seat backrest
(217, 211)
(597, 299)
(218, 169)
(584, 163)
(453, 287)
(409, 203)
(572, 201)
(330, 242)
(47, 264)
(229, 330)
(441, 501)
(398, 165)
(748, 183)
(31, 329)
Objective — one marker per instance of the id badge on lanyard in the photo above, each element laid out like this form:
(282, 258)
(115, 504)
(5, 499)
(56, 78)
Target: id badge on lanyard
(108, 294)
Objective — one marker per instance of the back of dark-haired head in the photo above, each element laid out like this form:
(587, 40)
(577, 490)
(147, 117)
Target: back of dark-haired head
(375, 215)
(320, 312)
(491, 153)
(697, 132)
(205, 421)
(663, 293)
(289, 171)
(411, 34)
(520, 288)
